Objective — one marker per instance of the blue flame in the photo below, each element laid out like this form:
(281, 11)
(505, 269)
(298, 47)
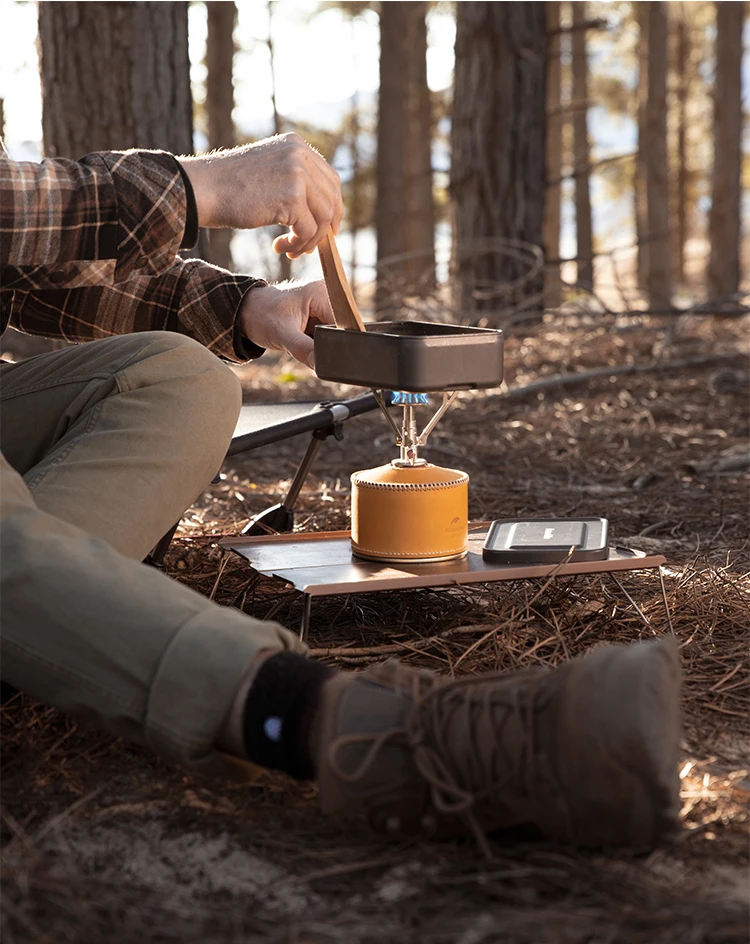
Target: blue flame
(399, 397)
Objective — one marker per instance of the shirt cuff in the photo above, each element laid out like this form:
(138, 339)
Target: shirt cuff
(210, 308)
(190, 236)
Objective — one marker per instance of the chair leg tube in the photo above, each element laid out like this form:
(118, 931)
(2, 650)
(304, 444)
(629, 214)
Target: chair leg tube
(156, 557)
(301, 474)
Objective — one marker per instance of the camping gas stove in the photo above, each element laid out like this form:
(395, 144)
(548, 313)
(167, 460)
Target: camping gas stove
(409, 510)
(409, 517)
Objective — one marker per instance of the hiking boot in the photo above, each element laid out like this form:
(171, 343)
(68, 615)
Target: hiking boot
(586, 752)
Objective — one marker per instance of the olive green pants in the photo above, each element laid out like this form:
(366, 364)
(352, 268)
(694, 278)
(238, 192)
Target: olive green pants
(104, 446)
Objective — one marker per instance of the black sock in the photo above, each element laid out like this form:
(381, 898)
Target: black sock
(279, 710)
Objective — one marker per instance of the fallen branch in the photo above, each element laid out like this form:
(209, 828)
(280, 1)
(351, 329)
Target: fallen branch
(719, 465)
(584, 376)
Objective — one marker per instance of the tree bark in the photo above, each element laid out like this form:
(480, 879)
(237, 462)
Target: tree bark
(658, 269)
(552, 284)
(498, 152)
(405, 214)
(682, 76)
(420, 214)
(581, 158)
(115, 76)
(354, 193)
(726, 196)
(639, 177)
(285, 263)
(393, 122)
(220, 49)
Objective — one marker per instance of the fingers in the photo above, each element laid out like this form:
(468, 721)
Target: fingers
(304, 192)
(329, 183)
(315, 202)
(304, 230)
(310, 221)
(283, 317)
(295, 334)
(300, 346)
(319, 305)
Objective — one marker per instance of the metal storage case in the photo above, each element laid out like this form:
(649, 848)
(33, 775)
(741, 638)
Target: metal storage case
(546, 540)
(413, 356)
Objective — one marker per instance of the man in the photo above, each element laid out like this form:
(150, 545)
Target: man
(107, 443)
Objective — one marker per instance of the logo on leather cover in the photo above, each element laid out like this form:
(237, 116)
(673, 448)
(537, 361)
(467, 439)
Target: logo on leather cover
(455, 525)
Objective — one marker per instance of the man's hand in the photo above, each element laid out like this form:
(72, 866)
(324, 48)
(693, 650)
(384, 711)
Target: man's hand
(283, 317)
(277, 180)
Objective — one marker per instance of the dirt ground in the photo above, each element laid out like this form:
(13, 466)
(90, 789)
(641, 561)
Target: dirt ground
(102, 841)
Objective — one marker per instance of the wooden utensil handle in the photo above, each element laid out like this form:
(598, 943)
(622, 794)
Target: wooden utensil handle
(345, 311)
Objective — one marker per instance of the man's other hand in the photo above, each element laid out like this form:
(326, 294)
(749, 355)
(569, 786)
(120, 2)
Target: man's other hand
(283, 317)
(277, 180)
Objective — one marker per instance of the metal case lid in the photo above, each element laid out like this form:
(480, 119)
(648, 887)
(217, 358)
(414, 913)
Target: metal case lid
(546, 540)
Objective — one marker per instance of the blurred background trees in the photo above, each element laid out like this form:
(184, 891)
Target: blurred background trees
(606, 136)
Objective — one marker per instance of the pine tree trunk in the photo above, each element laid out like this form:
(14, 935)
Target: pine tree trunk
(355, 202)
(498, 152)
(393, 121)
(726, 197)
(220, 49)
(285, 264)
(405, 215)
(581, 151)
(682, 53)
(115, 76)
(658, 273)
(639, 178)
(420, 204)
(552, 284)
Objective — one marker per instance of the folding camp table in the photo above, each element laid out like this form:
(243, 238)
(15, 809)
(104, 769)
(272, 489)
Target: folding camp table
(320, 564)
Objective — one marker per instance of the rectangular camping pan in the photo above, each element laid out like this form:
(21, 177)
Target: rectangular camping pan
(413, 356)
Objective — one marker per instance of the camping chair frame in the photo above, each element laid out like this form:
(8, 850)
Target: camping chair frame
(273, 423)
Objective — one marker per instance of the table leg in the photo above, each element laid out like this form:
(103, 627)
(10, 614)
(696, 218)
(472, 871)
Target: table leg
(305, 625)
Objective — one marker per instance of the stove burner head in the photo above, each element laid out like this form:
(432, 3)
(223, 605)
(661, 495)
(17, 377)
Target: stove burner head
(408, 438)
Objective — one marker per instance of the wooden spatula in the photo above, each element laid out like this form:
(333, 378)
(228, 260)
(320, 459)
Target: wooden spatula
(345, 311)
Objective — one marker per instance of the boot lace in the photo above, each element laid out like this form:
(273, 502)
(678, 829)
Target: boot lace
(473, 740)
(465, 750)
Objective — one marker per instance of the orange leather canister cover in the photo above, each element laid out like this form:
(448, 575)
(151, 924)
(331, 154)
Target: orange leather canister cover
(410, 512)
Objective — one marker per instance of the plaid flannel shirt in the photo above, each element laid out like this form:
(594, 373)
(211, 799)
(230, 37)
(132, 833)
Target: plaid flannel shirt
(88, 249)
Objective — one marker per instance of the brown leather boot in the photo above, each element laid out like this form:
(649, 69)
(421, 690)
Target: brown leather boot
(586, 752)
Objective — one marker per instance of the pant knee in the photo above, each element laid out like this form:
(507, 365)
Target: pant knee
(215, 390)
(174, 359)
(193, 391)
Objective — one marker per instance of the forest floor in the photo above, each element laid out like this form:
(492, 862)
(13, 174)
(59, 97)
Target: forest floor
(102, 841)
